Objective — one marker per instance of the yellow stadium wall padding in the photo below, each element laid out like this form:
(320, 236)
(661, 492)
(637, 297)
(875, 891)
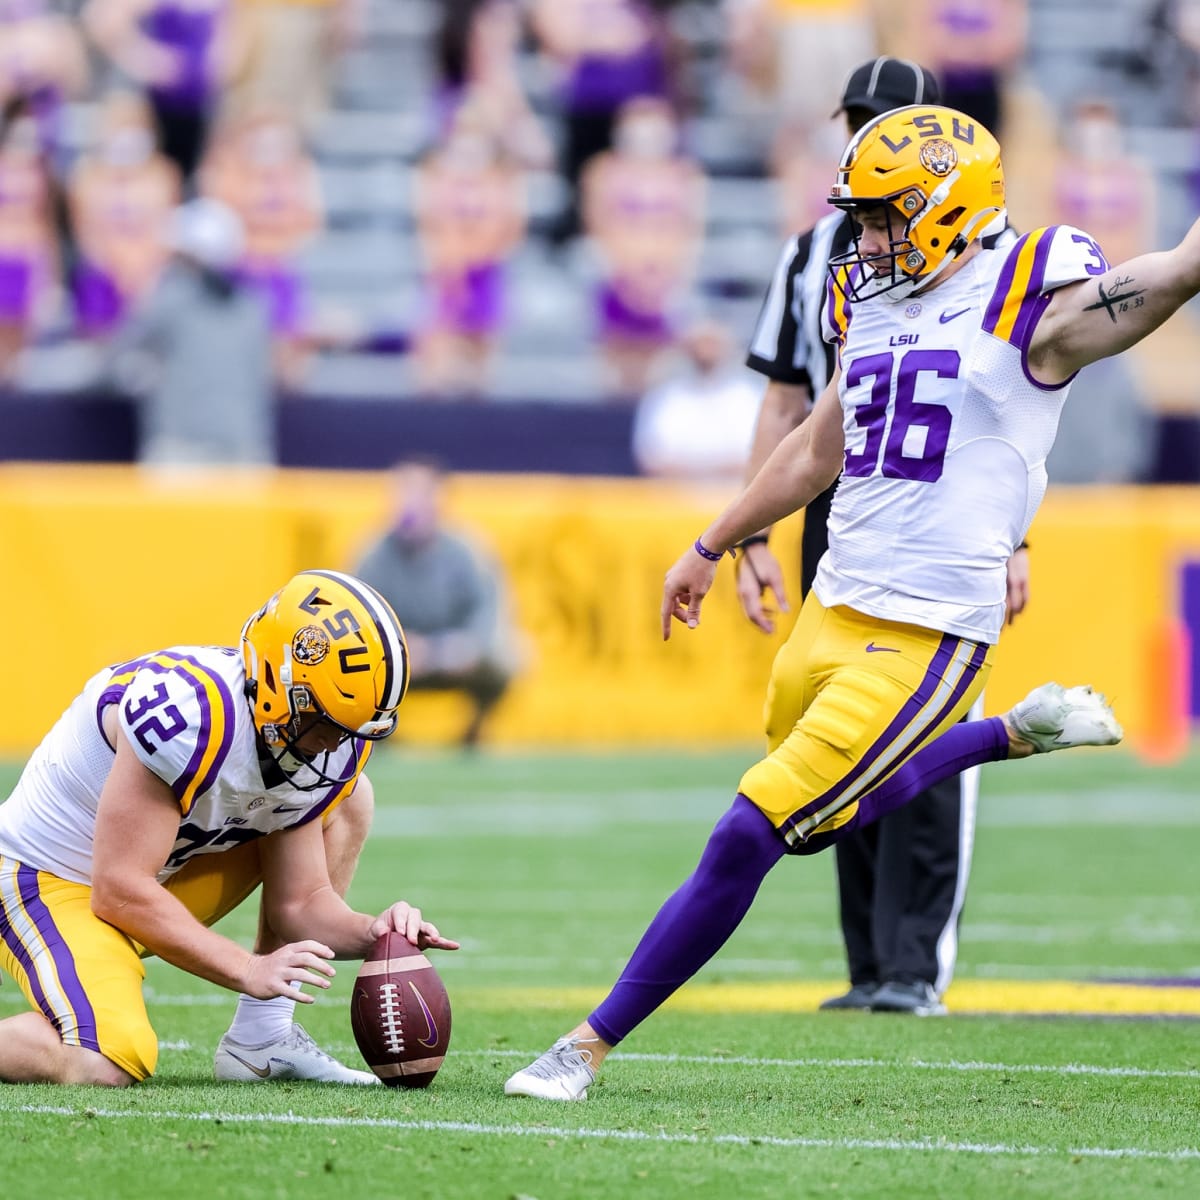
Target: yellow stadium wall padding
(99, 564)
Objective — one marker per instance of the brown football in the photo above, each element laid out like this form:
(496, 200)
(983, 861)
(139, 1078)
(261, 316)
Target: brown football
(400, 1013)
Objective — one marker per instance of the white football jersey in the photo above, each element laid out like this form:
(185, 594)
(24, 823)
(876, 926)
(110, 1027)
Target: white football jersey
(946, 436)
(185, 714)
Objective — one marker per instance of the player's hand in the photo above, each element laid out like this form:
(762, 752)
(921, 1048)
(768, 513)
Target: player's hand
(686, 585)
(758, 572)
(1018, 583)
(405, 919)
(281, 973)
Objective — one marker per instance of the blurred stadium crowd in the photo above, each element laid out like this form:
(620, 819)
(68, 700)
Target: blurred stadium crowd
(544, 201)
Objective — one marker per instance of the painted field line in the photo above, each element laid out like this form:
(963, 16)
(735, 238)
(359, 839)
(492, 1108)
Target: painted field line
(917, 1064)
(749, 1060)
(1008, 997)
(626, 1135)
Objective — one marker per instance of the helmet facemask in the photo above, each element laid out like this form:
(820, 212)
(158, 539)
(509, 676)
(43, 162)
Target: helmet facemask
(897, 272)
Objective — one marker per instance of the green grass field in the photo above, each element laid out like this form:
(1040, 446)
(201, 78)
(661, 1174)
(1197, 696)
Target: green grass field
(548, 869)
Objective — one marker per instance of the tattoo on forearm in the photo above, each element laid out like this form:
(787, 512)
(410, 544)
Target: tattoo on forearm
(1116, 300)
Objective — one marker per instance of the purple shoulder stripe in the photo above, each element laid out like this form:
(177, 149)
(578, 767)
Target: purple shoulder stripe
(831, 302)
(226, 722)
(1034, 303)
(991, 317)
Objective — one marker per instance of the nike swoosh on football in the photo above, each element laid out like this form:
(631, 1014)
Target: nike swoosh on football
(945, 318)
(432, 1030)
(874, 649)
(261, 1072)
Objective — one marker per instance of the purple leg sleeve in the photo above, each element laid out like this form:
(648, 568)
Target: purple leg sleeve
(696, 921)
(968, 744)
(699, 918)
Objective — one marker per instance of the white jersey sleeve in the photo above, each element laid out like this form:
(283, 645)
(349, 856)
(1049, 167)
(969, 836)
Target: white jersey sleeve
(178, 715)
(1039, 263)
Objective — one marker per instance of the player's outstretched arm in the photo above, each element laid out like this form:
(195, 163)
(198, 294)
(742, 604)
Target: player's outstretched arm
(1100, 317)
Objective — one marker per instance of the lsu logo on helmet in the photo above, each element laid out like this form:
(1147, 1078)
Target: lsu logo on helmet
(937, 174)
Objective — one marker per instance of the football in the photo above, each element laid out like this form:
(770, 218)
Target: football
(400, 1013)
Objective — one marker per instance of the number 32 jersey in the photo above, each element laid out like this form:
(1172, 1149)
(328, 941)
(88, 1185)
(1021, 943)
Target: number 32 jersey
(185, 715)
(946, 436)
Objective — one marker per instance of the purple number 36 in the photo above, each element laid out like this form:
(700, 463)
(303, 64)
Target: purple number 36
(907, 413)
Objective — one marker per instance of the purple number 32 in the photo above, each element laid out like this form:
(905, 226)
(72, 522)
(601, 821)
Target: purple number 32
(907, 413)
(146, 722)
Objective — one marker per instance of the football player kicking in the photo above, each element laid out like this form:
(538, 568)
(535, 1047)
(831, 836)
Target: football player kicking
(170, 788)
(953, 365)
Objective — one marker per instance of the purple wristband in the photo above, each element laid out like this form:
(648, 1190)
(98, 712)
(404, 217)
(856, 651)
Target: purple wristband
(704, 552)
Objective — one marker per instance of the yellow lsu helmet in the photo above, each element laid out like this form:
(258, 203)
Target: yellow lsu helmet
(326, 645)
(938, 175)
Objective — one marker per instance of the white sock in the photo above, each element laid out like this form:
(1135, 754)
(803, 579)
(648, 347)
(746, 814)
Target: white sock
(259, 1022)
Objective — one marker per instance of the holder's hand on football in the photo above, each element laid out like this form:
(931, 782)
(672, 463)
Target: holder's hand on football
(684, 589)
(281, 972)
(405, 919)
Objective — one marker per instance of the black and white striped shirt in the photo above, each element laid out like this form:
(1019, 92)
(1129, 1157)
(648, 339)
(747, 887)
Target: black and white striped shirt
(787, 344)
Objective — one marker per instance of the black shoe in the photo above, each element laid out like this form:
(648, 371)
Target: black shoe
(857, 999)
(917, 999)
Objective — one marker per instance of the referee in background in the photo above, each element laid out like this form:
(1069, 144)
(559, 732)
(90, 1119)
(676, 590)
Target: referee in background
(902, 880)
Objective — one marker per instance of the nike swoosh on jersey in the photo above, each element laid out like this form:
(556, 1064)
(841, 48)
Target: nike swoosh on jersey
(261, 1072)
(874, 649)
(945, 318)
(289, 808)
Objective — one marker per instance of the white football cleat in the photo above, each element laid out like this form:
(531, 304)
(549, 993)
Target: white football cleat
(562, 1073)
(1052, 717)
(297, 1056)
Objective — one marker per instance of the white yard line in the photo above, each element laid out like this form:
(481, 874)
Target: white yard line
(626, 1135)
(742, 1060)
(747, 1060)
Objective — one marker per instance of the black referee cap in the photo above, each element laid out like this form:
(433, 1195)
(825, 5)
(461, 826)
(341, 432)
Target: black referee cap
(886, 83)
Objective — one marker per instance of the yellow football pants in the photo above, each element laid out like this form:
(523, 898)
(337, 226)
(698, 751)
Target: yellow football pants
(851, 697)
(86, 975)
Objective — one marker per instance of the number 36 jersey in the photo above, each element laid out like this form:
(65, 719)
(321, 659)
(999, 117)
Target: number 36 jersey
(185, 715)
(946, 435)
